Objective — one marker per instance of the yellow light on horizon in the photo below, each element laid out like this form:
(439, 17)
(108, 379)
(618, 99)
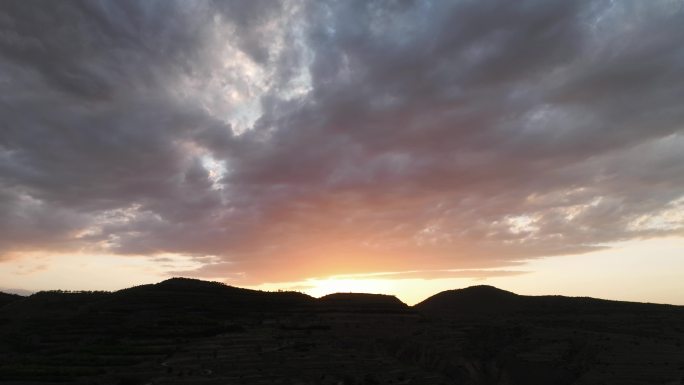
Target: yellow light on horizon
(646, 270)
(321, 287)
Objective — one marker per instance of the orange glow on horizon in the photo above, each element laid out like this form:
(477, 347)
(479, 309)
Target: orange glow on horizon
(626, 271)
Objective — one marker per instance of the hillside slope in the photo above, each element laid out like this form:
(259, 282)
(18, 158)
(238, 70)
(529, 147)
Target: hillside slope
(185, 331)
(6, 298)
(485, 300)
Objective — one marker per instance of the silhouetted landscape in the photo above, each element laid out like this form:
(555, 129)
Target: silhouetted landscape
(335, 147)
(185, 331)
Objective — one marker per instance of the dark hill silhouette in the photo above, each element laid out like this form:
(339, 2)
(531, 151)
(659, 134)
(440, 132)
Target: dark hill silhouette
(196, 332)
(361, 302)
(6, 298)
(53, 304)
(472, 300)
(488, 300)
(205, 297)
(184, 300)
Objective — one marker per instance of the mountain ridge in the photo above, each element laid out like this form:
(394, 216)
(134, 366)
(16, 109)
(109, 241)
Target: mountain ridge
(487, 300)
(476, 298)
(209, 298)
(197, 332)
(7, 298)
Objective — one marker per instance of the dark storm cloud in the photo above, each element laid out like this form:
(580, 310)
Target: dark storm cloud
(295, 139)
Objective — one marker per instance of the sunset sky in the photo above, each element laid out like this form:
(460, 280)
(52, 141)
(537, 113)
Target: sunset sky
(400, 147)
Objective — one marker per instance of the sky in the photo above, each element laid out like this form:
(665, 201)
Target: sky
(403, 147)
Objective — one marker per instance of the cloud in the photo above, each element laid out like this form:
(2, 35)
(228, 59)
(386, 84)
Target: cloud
(274, 141)
(437, 274)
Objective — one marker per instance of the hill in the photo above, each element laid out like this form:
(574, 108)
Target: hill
(172, 295)
(202, 297)
(484, 300)
(359, 302)
(186, 331)
(470, 301)
(6, 298)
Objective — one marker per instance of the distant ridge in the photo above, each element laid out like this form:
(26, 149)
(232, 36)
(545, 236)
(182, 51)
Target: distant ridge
(196, 297)
(205, 297)
(475, 299)
(362, 302)
(215, 299)
(188, 331)
(6, 298)
(175, 295)
(488, 300)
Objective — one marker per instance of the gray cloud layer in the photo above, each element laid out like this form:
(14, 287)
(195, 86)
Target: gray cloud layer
(300, 138)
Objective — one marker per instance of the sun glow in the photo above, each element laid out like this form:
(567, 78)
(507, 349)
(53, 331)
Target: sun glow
(613, 275)
(408, 290)
(321, 287)
(318, 287)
